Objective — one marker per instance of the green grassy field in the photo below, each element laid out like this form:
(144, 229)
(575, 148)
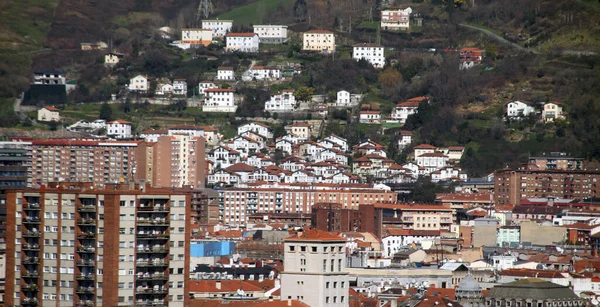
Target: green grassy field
(254, 13)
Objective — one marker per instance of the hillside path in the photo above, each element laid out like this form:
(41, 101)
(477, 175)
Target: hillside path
(499, 38)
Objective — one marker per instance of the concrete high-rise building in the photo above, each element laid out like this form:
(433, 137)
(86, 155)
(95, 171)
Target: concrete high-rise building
(177, 161)
(77, 245)
(510, 186)
(15, 158)
(315, 263)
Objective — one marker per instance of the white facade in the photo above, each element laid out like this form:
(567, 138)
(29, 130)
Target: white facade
(271, 34)
(258, 128)
(138, 83)
(49, 77)
(223, 157)
(196, 36)
(119, 129)
(319, 40)
(448, 174)
(519, 109)
(552, 111)
(163, 89)
(338, 140)
(112, 58)
(219, 100)
(180, 87)
(48, 114)
(394, 243)
(396, 19)
(219, 27)
(283, 101)
(343, 98)
(315, 270)
(263, 73)
(369, 117)
(225, 74)
(204, 85)
(244, 42)
(372, 53)
(432, 161)
(403, 111)
(404, 139)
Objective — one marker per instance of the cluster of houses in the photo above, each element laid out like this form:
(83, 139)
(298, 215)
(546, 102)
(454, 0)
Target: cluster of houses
(249, 157)
(550, 111)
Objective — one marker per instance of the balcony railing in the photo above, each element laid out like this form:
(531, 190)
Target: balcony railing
(86, 222)
(85, 263)
(31, 247)
(150, 291)
(30, 274)
(31, 220)
(32, 207)
(84, 290)
(85, 277)
(86, 235)
(146, 222)
(29, 287)
(86, 249)
(149, 263)
(87, 208)
(30, 260)
(153, 208)
(157, 236)
(29, 301)
(155, 276)
(31, 234)
(86, 303)
(150, 303)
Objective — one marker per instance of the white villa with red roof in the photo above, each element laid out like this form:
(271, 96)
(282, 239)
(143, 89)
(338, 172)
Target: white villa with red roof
(48, 114)
(258, 128)
(223, 157)
(244, 42)
(119, 129)
(219, 100)
(283, 101)
(404, 109)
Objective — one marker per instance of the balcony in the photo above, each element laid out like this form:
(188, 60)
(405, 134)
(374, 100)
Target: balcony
(85, 263)
(86, 222)
(31, 220)
(86, 303)
(85, 290)
(29, 302)
(147, 222)
(30, 247)
(30, 260)
(155, 276)
(150, 291)
(31, 234)
(86, 249)
(30, 274)
(85, 277)
(153, 208)
(149, 263)
(86, 235)
(29, 288)
(32, 207)
(153, 250)
(153, 236)
(87, 208)
(150, 303)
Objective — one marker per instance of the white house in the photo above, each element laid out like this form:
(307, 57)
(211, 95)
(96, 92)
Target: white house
(219, 27)
(163, 87)
(338, 140)
(263, 73)
(113, 58)
(395, 239)
(48, 114)
(404, 109)
(448, 174)
(204, 85)
(372, 53)
(432, 161)
(283, 101)
(257, 128)
(180, 87)
(223, 157)
(318, 40)
(244, 145)
(300, 129)
(119, 129)
(552, 112)
(223, 176)
(518, 109)
(244, 42)
(271, 34)
(138, 83)
(396, 19)
(49, 77)
(225, 73)
(404, 139)
(194, 37)
(284, 145)
(343, 98)
(423, 149)
(369, 117)
(219, 100)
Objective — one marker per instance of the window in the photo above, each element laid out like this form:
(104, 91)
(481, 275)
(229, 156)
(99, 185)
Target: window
(327, 285)
(327, 300)
(292, 248)
(302, 248)
(325, 265)
(314, 249)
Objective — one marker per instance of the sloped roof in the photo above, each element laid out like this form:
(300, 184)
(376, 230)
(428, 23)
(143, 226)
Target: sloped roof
(315, 235)
(240, 167)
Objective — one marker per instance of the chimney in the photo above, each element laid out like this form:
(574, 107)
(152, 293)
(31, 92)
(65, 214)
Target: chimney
(218, 285)
(394, 302)
(289, 301)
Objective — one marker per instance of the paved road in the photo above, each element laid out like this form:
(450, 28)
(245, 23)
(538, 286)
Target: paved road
(499, 38)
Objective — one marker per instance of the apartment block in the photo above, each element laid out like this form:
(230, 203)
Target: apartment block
(315, 265)
(78, 245)
(415, 216)
(556, 161)
(173, 161)
(14, 165)
(237, 204)
(510, 186)
(80, 160)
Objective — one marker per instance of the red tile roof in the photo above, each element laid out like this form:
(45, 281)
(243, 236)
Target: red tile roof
(49, 108)
(238, 34)
(119, 121)
(315, 235)
(210, 90)
(425, 146)
(240, 167)
(366, 45)
(320, 31)
(212, 286)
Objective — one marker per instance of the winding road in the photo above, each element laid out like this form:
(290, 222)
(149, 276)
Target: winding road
(499, 38)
